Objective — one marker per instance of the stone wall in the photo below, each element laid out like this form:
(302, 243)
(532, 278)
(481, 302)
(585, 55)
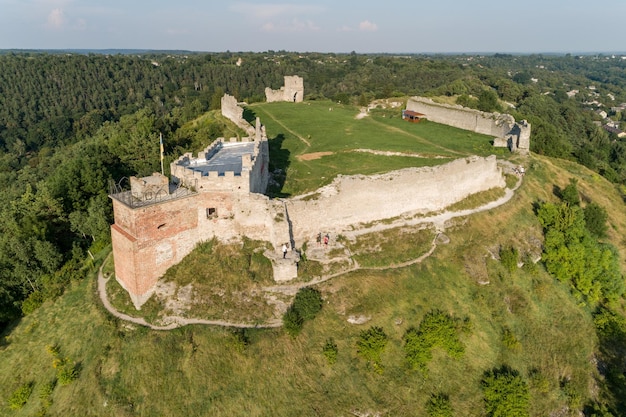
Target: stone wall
(351, 200)
(503, 127)
(232, 111)
(292, 90)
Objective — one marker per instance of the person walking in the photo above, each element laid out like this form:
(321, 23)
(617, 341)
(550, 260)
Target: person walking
(284, 250)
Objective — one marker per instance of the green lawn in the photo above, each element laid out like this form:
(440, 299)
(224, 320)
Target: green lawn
(306, 128)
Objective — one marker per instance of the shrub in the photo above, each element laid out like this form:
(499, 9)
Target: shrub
(509, 258)
(509, 340)
(292, 322)
(20, 396)
(437, 329)
(32, 302)
(67, 373)
(438, 405)
(505, 393)
(45, 393)
(595, 220)
(330, 351)
(569, 194)
(371, 344)
(308, 303)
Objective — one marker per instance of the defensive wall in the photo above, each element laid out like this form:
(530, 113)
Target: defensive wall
(234, 112)
(292, 90)
(359, 199)
(503, 127)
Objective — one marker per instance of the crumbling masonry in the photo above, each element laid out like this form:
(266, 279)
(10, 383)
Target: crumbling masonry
(503, 127)
(292, 91)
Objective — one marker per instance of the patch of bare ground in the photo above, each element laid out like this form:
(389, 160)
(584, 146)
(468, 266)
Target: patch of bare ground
(313, 155)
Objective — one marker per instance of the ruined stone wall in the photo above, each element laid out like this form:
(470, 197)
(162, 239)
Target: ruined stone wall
(232, 111)
(351, 200)
(503, 127)
(291, 91)
(259, 168)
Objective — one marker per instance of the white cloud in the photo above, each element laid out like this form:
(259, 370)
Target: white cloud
(368, 26)
(294, 25)
(280, 17)
(345, 28)
(56, 19)
(272, 10)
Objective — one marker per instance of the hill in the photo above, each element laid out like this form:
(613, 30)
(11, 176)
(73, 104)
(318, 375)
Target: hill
(482, 321)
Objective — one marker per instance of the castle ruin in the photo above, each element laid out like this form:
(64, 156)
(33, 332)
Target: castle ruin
(292, 90)
(503, 127)
(219, 193)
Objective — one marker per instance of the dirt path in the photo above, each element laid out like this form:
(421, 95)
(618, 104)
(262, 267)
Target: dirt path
(438, 221)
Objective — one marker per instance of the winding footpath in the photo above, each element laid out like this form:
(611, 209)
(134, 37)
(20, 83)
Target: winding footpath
(437, 220)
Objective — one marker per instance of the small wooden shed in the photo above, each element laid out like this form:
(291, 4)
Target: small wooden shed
(412, 116)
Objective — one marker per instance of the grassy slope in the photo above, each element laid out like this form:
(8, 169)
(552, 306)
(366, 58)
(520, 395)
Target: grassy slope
(196, 371)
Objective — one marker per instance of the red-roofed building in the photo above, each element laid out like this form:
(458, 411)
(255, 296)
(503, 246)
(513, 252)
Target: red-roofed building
(412, 116)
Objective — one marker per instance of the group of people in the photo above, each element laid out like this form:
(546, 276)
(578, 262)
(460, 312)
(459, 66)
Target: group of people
(325, 239)
(321, 239)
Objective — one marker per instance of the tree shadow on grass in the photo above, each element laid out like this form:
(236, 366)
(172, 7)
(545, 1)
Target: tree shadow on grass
(279, 162)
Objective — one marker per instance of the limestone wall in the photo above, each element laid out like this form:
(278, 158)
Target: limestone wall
(291, 91)
(503, 127)
(232, 111)
(351, 200)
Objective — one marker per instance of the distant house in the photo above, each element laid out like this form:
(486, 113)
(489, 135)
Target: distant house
(615, 130)
(412, 116)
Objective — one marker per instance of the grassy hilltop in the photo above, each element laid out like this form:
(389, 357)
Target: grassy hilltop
(514, 321)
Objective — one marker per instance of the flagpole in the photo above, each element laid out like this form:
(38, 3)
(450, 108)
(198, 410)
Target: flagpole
(161, 148)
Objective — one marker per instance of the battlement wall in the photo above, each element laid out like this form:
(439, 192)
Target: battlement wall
(252, 178)
(503, 127)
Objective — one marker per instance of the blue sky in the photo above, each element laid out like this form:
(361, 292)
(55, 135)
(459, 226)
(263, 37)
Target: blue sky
(316, 25)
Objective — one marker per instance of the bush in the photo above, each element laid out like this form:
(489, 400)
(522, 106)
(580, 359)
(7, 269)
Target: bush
(437, 329)
(308, 303)
(569, 194)
(45, 393)
(509, 340)
(20, 396)
(595, 220)
(505, 393)
(371, 344)
(330, 351)
(32, 302)
(67, 373)
(509, 258)
(292, 322)
(438, 405)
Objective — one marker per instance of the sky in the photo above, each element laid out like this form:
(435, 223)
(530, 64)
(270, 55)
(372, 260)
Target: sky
(363, 26)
